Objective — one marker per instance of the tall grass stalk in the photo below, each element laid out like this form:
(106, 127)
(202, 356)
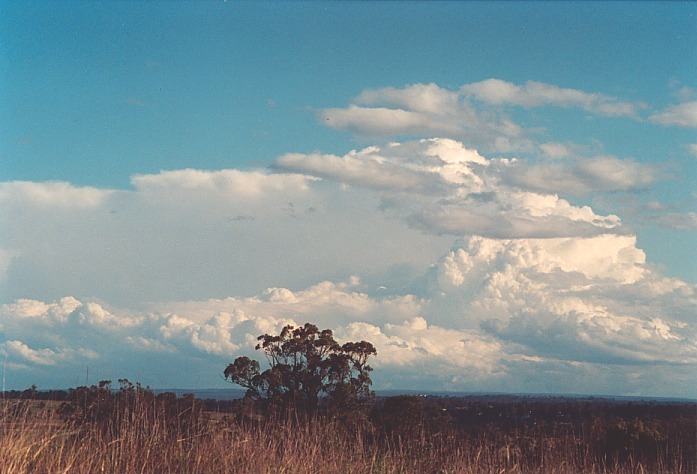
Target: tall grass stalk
(33, 438)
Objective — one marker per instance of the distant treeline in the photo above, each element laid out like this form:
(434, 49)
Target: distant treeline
(651, 432)
(404, 433)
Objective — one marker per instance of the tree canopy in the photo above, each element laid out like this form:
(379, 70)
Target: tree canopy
(306, 365)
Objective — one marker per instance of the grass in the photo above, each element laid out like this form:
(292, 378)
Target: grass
(34, 437)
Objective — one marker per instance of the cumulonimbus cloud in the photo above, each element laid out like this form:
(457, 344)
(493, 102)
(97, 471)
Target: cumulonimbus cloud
(533, 284)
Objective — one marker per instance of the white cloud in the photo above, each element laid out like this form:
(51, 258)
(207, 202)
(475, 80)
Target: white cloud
(426, 109)
(429, 166)
(443, 353)
(538, 94)
(212, 330)
(26, 353)
(44, 356)
(613, 257)
(458, 195)
(572, 299)
(230, 182)
(51, 194)
(514, 215)
(471, 113)
(682, 115)
(198, 234)
(363, 169)
(581, 175)
(378, 121)
(539, 292)
(498, 312)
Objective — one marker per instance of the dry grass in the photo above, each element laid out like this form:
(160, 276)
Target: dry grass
(34, 439)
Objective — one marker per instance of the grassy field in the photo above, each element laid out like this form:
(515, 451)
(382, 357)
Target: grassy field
(150, 434)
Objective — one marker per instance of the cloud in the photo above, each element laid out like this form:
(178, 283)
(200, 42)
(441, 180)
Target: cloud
(443, 353)
(194, 234)
(216, 330)
(231, 182)
(22, 354)
(496, 312)
(183, 233)
(681, 115)
(458, 194)
(581, 176)
(363, 169)
(677, 220)
(555, 150)
(472, 274)
(514, 215)
(426, 109)
(51, 194)
(25, 353)
(539, 94)
(663, 215)
(473, 113)
(380, 121)
(575, 299)
(611, 257)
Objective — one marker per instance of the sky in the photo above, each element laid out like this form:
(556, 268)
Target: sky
(501, 197)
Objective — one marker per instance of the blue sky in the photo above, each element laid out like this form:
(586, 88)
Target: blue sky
(95, 94)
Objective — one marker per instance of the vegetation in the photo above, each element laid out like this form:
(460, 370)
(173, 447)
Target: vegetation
(306, 366)
(137, 431)
(131, 429)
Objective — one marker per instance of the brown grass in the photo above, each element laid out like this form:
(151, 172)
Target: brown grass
(34, 439)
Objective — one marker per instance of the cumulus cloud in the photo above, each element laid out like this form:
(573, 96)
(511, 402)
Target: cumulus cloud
(681, 115)
(216, 330)
(444, 354)
(581, 175)
(571, 299)
(496, 312)
(512, 214)
(364, 169)
(473, 113)
(426, 109)
(538, 94)
(457, 194)
(22, 354)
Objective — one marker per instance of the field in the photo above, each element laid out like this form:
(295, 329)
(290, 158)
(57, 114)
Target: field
(92, 430)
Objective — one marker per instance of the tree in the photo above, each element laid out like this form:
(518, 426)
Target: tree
(306, 365)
